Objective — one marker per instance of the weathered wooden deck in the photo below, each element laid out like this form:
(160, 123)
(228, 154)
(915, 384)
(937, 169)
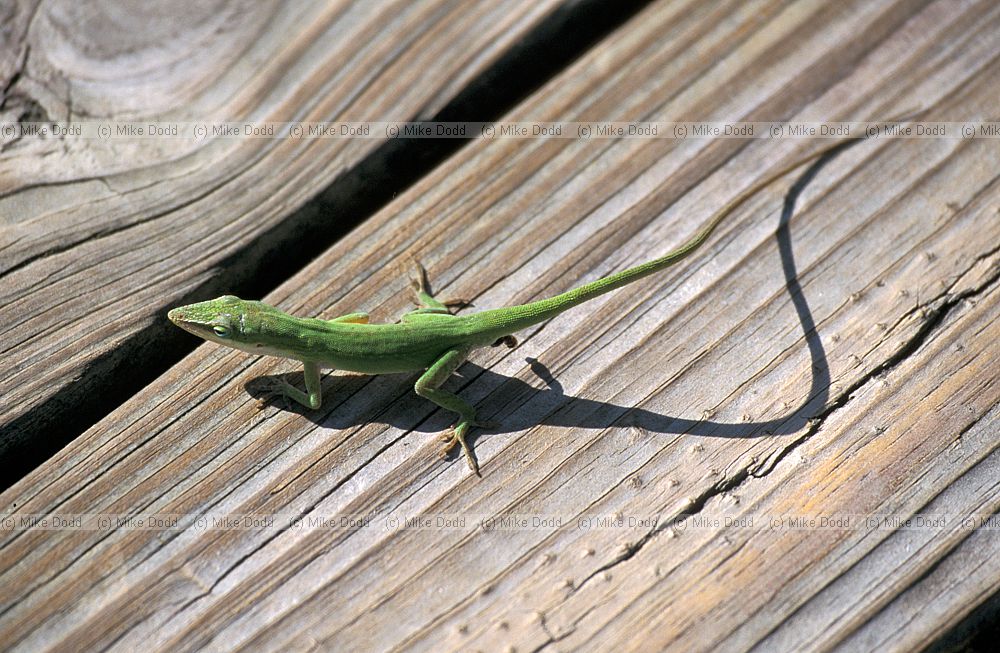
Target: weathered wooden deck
(830, 355)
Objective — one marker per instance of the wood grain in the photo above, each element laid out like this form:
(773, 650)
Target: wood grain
(99, 237)
(839, 361)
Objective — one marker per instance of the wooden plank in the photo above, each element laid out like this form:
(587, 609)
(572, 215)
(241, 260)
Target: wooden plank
(782, 588)
(829, 371)
(99, 237)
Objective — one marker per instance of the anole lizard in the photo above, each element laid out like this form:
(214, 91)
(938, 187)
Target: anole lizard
(429, 339)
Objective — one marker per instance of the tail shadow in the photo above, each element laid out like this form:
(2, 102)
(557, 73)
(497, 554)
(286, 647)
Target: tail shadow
(552, 406)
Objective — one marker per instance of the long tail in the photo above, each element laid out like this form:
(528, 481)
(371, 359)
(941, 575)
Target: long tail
(514, 318)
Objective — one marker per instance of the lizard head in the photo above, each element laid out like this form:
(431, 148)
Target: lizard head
(227, 320)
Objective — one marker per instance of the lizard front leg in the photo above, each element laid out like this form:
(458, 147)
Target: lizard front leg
(429, 385)
(312, 397)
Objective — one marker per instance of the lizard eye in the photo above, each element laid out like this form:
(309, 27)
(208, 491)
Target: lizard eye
(221, 331)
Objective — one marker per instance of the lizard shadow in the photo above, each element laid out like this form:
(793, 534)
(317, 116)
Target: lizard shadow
(518, 405)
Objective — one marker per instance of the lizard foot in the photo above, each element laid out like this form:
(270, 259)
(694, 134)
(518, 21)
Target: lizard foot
(508, 340)
(455, 302)
(456, 438)
(274, 391)
(422, 295)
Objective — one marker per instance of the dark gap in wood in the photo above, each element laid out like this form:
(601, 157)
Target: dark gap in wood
(110, 380)
(978, 631)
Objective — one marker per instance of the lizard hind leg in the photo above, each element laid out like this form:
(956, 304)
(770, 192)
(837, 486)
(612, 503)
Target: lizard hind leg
(429, 385)
(425, 299)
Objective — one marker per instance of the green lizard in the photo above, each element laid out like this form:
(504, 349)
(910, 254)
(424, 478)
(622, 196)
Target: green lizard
(430, 339)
